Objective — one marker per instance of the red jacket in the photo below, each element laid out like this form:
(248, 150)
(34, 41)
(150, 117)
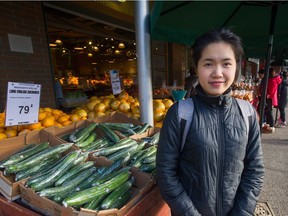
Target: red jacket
(272, 89)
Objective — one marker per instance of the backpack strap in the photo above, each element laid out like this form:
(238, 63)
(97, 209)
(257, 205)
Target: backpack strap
(185, 112)
(247, 111)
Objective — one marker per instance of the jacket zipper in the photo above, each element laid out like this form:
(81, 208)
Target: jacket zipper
(219, 190)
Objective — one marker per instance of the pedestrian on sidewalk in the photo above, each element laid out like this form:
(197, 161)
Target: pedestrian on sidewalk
(219, 171)
(271, 100)
(283, 98)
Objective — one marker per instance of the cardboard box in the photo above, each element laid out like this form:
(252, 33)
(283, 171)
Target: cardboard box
(143, 183)
(8, 208)
(149, 133)
(150, 204)
(8, 187)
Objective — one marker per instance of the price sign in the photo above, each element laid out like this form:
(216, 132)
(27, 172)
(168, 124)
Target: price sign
(22, 105)
(115, 82)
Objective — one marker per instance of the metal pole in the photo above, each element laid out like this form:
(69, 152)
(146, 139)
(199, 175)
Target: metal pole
(144, 60)
(267, 63)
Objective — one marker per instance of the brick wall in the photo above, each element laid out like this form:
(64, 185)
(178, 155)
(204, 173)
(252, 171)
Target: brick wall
(25, 19)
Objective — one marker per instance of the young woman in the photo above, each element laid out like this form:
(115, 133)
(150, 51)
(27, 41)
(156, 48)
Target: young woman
(220, 169)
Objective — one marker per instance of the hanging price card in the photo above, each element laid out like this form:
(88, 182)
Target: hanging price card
(22, 105)
(115, 82)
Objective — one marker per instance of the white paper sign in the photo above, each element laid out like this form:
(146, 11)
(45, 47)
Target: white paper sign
(22, 105)
(115, 82)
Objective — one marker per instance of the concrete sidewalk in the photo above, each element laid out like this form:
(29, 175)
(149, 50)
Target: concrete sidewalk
(275, 150)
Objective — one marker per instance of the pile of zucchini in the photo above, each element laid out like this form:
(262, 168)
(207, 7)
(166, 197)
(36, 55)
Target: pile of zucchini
(87, 138)
(32, 158)
(70, 180)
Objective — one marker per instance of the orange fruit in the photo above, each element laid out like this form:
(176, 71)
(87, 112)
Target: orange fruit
(2, 129)
(58, 124)
(74, 117)
(47, 109)
(11, 133)
(2, 124)
(11, 128)
(34, 126)
(68, 122)
(42, 115)
(47, 122)
(63, 118)
(56, 112)
(3, 136)
(24, 131)
(2, 115)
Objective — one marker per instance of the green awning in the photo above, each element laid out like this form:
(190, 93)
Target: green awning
(183, 21)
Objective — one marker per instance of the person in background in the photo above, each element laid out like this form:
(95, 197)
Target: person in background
(283, 99)
(190, 83)
(271, 100)
(219, 171)
(260, 84)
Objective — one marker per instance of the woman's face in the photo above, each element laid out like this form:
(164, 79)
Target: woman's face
(216, 68)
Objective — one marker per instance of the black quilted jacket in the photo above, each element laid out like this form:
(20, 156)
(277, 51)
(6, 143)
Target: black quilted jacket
(220, 169)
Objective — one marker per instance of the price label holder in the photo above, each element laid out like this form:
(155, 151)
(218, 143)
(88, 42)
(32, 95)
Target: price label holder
(115, 81)
(22, 105)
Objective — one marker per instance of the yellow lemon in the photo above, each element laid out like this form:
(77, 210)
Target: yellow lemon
(74, 117)
(3, 136)
(11, 133)
(42, 115)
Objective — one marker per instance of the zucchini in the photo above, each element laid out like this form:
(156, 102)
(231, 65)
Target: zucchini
(49, 192)
(95, 202)
(122, 200)
(29, 146)
(143, 128)
(147, 152)
(110, 150)
(87, 195)
(91, 137)
(35, 169)
(127, 125)
(119, 154)
(116, 194)
(111, 175)
(66, 164)
(75, 137)
(26, 154)
(98, 143)
(155, 138)
(149, 159)
(148, 167)
(99, 174)
(46, 170)
(110, 134)
(37, 158)
(121, 128)
(75, 170)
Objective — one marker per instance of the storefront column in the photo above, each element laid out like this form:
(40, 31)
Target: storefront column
(144, 60)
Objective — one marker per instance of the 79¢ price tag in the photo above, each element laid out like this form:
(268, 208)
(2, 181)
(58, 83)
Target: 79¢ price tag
(22, 105)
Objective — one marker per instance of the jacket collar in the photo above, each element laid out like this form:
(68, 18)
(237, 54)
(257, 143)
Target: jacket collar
(224, 99)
